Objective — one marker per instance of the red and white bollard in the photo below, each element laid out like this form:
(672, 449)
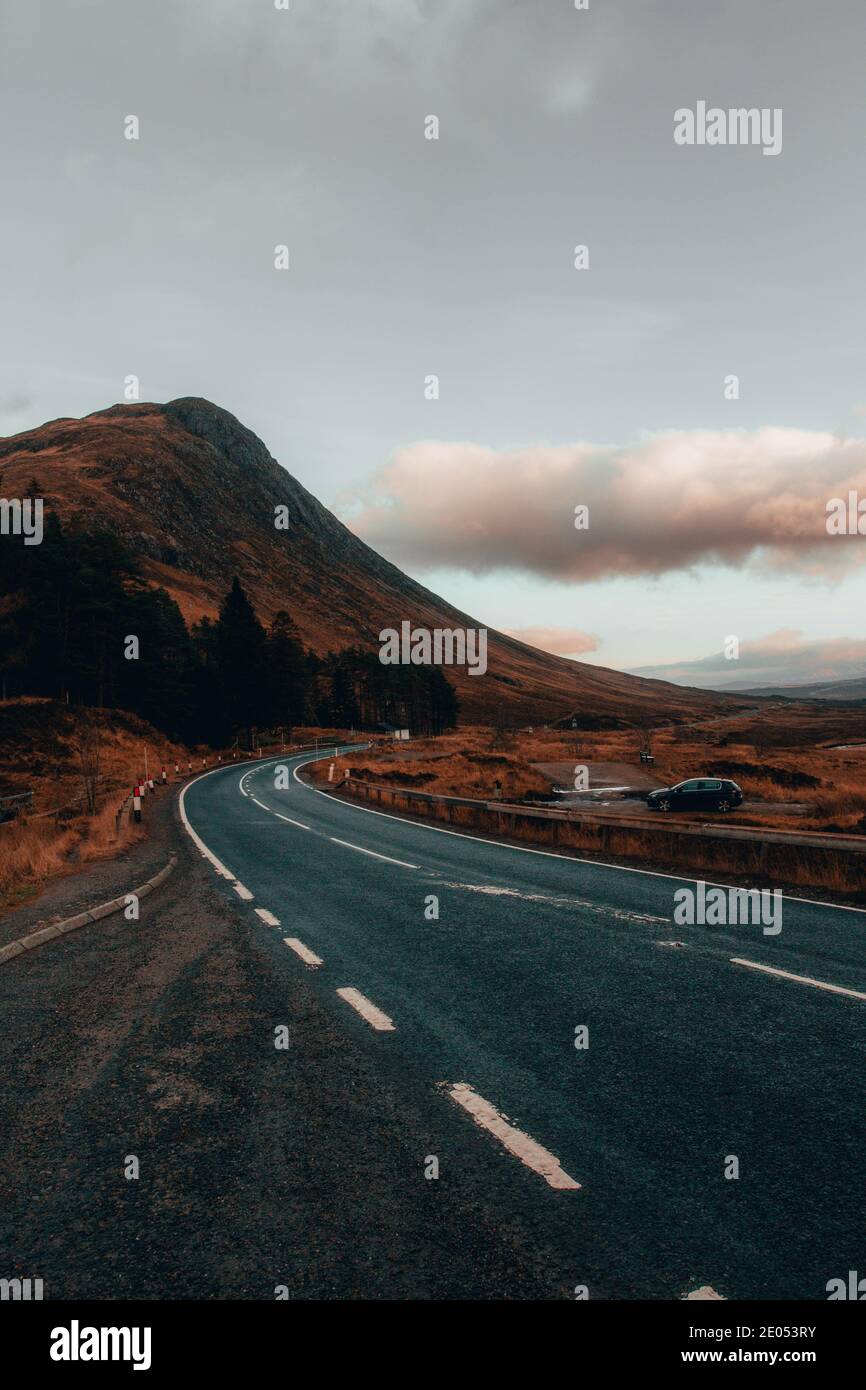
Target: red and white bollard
(150, 786)
(136, 802)
(177, 769)
(164, 778)
(189, 765)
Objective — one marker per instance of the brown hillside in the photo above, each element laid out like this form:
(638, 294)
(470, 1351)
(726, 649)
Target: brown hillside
(193, 492)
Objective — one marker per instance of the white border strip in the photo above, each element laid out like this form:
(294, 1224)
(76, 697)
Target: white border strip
(798, 979)
(376, 1019)
(514, 1140)
(307, 956)
(372, 853)
(267, 917)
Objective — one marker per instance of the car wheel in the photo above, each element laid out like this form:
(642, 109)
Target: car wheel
(664, 805)
(723, 805)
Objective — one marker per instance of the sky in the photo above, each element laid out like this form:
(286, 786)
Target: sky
(454, 258)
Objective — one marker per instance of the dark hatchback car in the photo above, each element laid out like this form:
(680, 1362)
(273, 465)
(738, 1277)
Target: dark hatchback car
(697, 794)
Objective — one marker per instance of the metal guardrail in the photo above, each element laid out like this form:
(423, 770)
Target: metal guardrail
(659, 823)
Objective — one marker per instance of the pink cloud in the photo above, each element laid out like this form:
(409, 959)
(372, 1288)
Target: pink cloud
(561, 641)
(671, 502)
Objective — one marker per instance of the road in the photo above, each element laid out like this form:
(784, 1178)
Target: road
(306, 1167)
(690, 1059)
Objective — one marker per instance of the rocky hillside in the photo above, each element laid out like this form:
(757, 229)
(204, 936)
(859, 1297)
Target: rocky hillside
(193, 494)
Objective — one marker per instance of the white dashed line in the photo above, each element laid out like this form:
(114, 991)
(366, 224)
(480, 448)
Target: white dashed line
(798, 979)
(259, 803)
(298, 823)
(242, 892)
(267, 917)
(307, 956)
(376, 1019)
(360, 848)
(514, 1140)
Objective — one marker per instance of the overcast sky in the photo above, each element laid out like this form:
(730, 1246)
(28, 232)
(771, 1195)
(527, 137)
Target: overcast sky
(455, 257)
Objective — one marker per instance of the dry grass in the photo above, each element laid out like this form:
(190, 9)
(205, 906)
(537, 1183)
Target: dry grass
(38, 739)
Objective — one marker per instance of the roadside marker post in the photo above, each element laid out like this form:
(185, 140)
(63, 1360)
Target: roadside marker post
(136, 802)
(164, 779)
(177, 769)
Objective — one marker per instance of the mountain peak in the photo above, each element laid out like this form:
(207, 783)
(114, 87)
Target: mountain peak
(194, 495)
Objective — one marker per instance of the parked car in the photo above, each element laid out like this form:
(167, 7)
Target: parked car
(697, 794)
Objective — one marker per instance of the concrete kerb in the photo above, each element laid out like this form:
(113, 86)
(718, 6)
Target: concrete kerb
(49, 933)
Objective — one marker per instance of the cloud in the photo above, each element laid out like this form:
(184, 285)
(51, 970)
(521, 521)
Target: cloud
(561, 641)
(784, 657)
(670, 502)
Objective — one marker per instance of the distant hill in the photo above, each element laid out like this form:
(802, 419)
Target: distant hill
(816, 690)
(193, 494)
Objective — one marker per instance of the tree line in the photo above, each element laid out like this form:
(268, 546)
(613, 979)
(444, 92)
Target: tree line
(69, 607)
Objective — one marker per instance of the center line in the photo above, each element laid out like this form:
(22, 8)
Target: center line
(514, 1140)
(376, 1019)
(303, 951)
(799, 979)
(372, 853)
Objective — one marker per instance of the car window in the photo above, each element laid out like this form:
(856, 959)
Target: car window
(691, 786)
(710, 786)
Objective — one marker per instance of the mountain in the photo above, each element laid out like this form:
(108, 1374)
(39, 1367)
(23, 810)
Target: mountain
(193, 493)
(815, 690)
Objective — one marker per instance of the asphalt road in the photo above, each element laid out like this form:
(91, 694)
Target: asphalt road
(691, 1058)
(305, 1167)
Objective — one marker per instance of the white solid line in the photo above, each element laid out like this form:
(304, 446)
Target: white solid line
(298, 823)
(372, 853)
(551, 854)
(514, 1140)
(259, 803)
(267, 917)
(303, 951)
(376, 1019)
(799, 979)
(242, 892)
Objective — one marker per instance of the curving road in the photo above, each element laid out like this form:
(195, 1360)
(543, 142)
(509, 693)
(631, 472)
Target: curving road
(612, 1155)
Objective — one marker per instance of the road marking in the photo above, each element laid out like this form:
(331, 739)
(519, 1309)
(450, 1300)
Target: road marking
(372, 853)
(376, 1019)
(514, 1140)
(267, 917)
(704, 1292)
(495, 891)
(308, 956)
(799, 979)
(242, 892)
(259, 803)
(551, 854)
(298, 823)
